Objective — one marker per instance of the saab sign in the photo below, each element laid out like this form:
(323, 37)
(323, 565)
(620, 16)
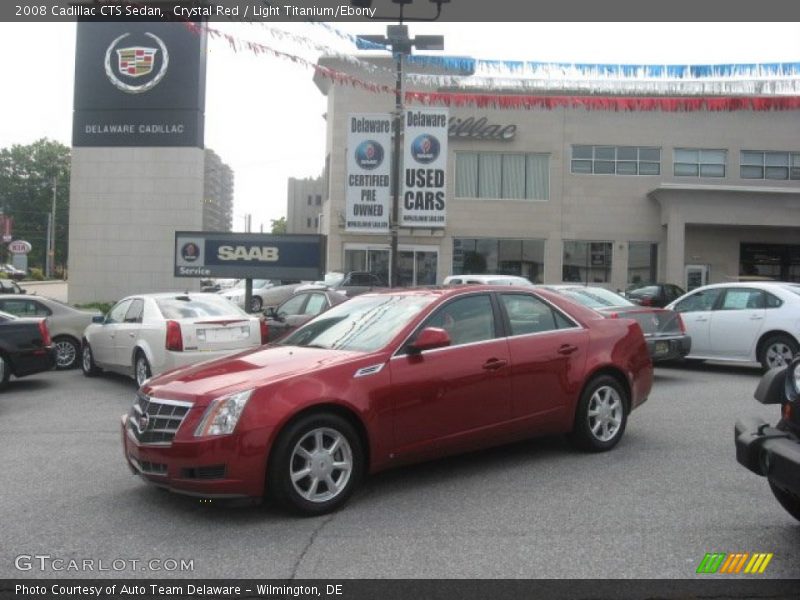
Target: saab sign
(249, 255)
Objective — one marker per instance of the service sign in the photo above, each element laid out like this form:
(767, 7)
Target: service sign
(423, 203)
(369, 138)
(249, 255)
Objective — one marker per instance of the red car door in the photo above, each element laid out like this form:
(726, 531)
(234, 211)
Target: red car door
(548, 352)
(448, 395)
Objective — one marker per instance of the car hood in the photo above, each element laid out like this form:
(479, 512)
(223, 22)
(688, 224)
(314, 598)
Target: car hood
(202, 382)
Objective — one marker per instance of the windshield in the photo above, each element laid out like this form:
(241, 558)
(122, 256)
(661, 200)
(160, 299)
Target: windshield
(363, 324)
(595, 297)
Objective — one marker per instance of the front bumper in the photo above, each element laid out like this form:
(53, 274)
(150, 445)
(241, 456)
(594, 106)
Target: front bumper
(769, 452)
(231, 466)
(669, 348)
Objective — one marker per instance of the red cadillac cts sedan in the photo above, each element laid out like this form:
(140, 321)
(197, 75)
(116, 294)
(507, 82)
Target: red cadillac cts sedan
(386, 379)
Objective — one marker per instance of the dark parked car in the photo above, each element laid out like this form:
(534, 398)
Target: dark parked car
(25, 347)
(386, 379)
(299, 310)
(654, 294)
(663, 329)
(774, 452)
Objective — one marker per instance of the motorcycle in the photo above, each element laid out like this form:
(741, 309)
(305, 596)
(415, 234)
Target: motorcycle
(774, 452)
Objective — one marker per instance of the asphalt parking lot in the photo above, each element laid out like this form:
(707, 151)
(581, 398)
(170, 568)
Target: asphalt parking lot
(669, 493)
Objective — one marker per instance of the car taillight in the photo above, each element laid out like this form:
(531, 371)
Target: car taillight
(264, 331)
(787, 411)
(174, 337)
(681, 324)
(45, 333)
(646, 301)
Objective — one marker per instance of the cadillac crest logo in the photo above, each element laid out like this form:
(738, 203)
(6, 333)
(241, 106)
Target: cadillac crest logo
(136, 62)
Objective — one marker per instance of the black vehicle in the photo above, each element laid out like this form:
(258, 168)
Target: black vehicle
(774, 452)
(654, 294)
(25, 347)
(299, 310)
(10, 287)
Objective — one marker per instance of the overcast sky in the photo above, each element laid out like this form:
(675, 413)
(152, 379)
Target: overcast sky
(264, 115)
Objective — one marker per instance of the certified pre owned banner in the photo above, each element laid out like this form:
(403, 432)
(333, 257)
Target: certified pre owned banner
(368, 170)
(425, 164)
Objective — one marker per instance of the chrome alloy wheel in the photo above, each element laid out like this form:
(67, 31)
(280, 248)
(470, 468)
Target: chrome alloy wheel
(87, 358)
(142, 370)
(605, 413)
(66, 353)
(778, 355)
(321, 464)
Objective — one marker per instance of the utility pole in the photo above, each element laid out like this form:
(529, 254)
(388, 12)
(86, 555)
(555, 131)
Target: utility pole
(51, 248)
(400, 44)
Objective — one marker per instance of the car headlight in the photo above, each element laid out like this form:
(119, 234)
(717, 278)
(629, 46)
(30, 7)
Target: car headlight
(222, 415)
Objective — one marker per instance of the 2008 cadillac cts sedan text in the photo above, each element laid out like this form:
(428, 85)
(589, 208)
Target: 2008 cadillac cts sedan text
(386, 379)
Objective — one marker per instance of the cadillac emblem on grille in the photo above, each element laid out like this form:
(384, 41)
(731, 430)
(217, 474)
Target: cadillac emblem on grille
(142, 422)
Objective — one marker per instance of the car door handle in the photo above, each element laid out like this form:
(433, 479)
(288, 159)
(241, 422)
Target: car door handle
(701, 319)
(132, 334)
(756, 317)
(494, 363)
(567, 349)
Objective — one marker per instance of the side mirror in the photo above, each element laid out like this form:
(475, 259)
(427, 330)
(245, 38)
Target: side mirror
(430, 338)
(98, 319)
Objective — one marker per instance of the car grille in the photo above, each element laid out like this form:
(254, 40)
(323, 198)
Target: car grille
(156, 421)
(150, 468)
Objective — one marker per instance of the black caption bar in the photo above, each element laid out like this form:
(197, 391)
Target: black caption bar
(455, 10)
(429, 589)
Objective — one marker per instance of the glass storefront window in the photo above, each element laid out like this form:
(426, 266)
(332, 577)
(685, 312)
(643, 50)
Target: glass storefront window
(587, 262)
(497, 256)
(642, 263)
(415, 267)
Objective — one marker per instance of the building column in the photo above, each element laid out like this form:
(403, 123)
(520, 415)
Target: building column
(676, 249)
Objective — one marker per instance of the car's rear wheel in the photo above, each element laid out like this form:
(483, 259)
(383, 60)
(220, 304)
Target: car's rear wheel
(87, 361)
(601, 416)
(67, 352)
(255, 304)
(788, 501)
(141, 368)
(316, 464)
(777, 351)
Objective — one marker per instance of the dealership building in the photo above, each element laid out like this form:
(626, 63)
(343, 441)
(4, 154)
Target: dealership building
(609, 186)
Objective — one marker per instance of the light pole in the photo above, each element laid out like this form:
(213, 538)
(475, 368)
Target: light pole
(397, 40)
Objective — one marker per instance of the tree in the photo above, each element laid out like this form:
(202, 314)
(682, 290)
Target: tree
(27, 176)
(279, 225)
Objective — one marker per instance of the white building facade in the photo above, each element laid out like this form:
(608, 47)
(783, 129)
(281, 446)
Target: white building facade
(593, 194)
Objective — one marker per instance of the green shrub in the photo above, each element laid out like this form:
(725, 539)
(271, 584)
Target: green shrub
(37, 274)
(103, 307)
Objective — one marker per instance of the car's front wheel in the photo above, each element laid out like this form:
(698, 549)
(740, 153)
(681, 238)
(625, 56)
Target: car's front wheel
(788, 501)
(87, 361)
(67, 352)
(601, 416)
(316, 464)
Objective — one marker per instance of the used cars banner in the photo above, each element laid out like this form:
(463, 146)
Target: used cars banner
(425, 163)
(368, 172)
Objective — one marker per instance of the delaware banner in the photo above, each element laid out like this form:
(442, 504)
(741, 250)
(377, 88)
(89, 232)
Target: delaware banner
(369, 138)
(425, 164)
